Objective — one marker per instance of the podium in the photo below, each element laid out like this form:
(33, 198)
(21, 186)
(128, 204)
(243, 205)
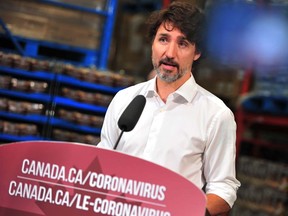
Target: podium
(62, 178)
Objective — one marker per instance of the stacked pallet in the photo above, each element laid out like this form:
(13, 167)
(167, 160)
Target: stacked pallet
(42, 21)
(264, 188)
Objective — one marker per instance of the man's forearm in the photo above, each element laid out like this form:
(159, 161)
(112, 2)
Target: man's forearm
(216, 205)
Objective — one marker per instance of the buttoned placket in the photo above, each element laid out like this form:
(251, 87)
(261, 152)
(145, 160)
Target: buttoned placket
(159, 116)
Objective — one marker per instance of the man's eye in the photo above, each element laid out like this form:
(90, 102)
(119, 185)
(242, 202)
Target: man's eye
(162, 39)
(183, 44)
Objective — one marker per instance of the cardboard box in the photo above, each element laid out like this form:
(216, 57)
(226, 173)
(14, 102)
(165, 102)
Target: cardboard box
(25, 25)
(93, 4)
(224, 82)
(36, 20)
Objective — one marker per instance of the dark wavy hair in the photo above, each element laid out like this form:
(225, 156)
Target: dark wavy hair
(185, 16)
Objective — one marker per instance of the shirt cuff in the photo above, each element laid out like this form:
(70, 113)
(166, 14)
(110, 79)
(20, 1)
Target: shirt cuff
(228, 192)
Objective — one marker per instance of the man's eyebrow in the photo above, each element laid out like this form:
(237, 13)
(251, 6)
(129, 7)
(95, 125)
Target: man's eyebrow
(163, 34)
(183, 38)
(180, 38)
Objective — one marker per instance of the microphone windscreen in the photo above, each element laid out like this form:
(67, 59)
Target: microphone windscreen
(132, 113)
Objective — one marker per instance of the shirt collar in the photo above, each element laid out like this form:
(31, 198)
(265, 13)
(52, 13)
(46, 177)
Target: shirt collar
(187, 90)
(151, 90)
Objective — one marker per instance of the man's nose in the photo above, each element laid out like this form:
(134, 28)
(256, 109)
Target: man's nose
(171, 50)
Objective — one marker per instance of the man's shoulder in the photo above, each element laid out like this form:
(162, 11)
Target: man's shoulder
(210, 98)
(134, 90)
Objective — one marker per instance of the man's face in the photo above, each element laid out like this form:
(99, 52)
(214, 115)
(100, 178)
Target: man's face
(172, 54)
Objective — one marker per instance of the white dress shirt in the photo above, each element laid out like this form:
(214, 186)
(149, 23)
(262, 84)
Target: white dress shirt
(193, 134)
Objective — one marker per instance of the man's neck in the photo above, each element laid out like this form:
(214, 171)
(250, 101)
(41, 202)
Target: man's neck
(164, 89)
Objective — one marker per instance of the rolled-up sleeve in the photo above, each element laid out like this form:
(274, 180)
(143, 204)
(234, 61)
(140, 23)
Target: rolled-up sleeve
(219, 157)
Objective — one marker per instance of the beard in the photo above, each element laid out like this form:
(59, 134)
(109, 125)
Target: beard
(168, 75)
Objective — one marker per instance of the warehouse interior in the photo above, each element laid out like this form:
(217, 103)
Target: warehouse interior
(62, 61)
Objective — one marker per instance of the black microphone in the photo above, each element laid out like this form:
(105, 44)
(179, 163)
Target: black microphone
(131, 115)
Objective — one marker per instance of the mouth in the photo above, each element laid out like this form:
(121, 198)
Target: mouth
(168, 67)
(168, 64)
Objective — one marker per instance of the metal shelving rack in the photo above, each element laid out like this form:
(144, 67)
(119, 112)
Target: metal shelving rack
(52, 100)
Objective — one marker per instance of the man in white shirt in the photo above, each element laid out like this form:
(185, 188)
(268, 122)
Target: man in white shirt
(183, 127)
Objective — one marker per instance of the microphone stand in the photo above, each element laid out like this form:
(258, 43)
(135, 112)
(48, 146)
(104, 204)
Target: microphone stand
(117, 142)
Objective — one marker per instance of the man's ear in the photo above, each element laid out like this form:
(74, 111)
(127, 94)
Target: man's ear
(197, 56)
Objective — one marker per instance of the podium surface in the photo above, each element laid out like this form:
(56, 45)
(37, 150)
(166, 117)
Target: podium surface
(62, 178)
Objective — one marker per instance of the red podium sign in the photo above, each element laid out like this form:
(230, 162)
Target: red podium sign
(62, 178)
